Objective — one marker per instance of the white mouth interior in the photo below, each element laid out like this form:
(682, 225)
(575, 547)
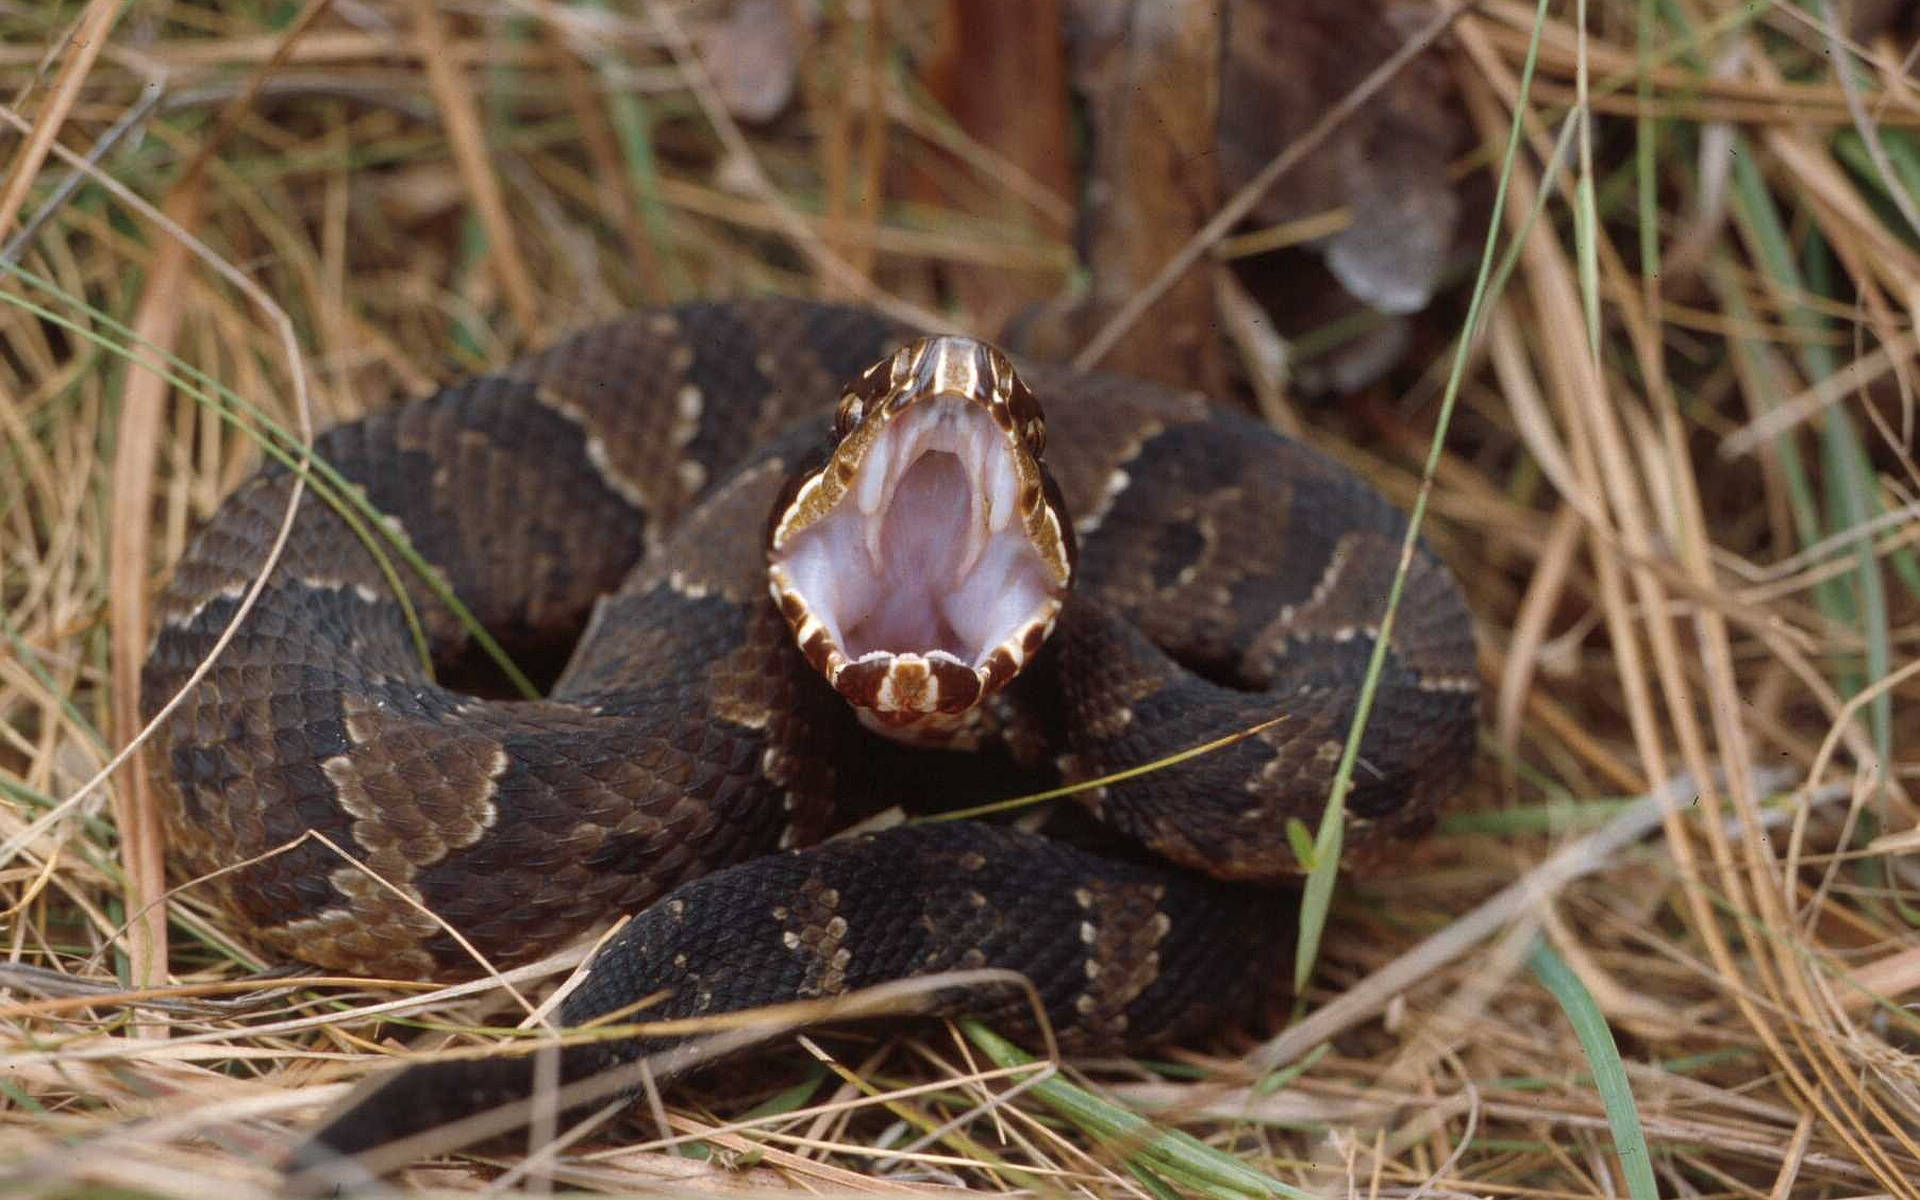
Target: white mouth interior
(926, 553)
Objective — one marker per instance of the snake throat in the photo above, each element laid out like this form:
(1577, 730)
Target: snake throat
(923, 565)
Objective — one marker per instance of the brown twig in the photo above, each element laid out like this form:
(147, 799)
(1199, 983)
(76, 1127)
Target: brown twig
(1235, 209)
(89, 36)
(467, 136)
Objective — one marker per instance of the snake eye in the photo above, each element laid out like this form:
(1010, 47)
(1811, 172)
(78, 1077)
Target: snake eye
(847, 415)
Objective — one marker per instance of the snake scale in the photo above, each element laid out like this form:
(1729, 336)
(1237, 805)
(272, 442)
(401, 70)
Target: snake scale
(759, 511)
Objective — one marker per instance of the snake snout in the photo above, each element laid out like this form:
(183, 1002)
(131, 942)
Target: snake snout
(924, 564)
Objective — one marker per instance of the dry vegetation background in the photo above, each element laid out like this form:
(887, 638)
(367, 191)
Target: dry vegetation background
(1679, 484)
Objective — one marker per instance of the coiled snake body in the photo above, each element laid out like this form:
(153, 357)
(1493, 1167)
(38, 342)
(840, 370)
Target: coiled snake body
(634, 475)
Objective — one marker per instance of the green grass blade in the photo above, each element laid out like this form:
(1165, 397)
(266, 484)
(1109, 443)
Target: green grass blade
(1317, 897)
(633, 128)
(1609, 1074)
(1645, 135)
(1169, 1154)
(281, 444)
(1850, 497)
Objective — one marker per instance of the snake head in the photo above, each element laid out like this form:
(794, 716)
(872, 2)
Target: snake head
(924, 562)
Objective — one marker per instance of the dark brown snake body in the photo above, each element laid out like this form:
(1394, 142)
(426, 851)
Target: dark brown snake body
(1226, 576)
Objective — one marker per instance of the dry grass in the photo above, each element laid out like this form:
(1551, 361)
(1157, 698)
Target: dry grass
(1681, 488)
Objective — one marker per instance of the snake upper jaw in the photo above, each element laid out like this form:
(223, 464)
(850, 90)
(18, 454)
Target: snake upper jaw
(924, 564)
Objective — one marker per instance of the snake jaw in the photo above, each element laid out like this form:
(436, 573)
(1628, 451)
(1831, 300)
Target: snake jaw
(925, 563)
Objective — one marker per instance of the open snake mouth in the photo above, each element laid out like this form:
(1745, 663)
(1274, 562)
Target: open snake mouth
(925, 563)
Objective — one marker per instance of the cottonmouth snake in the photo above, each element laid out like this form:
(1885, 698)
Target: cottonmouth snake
(632, 479)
